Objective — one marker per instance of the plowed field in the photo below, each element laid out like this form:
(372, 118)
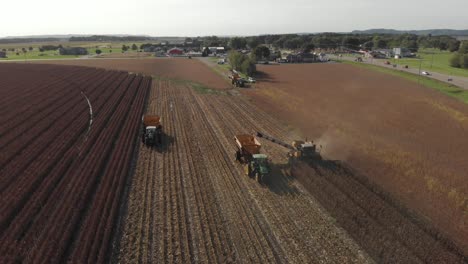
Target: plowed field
(178, 68)
(408, 139)
(189, 201)
(67, 137)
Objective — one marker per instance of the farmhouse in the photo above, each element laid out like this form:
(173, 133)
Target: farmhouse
(73, 51)
(403, 52)
(301, 57)
(216, 50)
(2, 54)
(374, 54)
(175, 52)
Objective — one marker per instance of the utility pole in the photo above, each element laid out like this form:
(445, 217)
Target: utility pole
(432, 60)
(419, 75)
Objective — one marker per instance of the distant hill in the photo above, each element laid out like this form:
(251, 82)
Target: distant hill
(67, 36)
(90, 38)
(434, 32)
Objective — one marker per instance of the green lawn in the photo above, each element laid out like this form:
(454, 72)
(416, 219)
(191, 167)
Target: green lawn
(105, 47)
(36, 54)
(442, 87)
(434, 60)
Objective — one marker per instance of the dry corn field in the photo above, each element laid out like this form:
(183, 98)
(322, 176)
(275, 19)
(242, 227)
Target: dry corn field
(189, 201)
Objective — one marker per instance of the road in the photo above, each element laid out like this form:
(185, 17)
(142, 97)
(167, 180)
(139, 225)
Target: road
(461, 82)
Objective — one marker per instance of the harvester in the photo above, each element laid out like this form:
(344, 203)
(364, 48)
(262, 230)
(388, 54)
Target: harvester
(298, 150)
(236, 80)
(152, 130)
(248, 153)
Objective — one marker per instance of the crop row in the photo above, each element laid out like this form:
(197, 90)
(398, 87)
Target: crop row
(61, 184)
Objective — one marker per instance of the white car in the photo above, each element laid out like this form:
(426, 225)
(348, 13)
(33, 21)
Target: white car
(251, 80)
(425, 73)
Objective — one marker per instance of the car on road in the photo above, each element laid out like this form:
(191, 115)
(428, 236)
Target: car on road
(425, 73)
(251, 80)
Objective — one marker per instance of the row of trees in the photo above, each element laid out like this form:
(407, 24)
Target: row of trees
(350, 41)
(460, 59)
(133, 47)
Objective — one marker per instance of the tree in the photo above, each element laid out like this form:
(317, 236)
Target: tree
(30, 48)
(253, 43)
(237, 43)
(307, 47)
(124, 48)
(248, 66)
(134, 46)
(261, 52)
(206, 52)
(464, 61)
(454, 46)
(379, 43)
(351, 43)
(460, 59)
(98, 51)
(235, 59)
(293, 43)
(368, 45)
(324, 42)
(455, 60)
(241, 62)
(463, 48)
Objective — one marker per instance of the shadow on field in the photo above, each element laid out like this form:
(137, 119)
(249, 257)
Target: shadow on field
(264, 77)
(167, 141)
(386, 230)
(279, 181)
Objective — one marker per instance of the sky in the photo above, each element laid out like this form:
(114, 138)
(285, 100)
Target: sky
(222, 17)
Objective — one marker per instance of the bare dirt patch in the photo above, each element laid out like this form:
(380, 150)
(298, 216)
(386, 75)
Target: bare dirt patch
(180, 68)
(408, 139)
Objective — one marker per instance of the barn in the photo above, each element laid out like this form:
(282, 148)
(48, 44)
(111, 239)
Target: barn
(175, 52)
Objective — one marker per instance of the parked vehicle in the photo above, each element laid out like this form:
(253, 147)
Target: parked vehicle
(251, 80)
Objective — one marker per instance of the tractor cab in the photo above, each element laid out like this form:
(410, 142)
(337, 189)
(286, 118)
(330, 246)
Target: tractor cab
(150, 134)
(259, 167)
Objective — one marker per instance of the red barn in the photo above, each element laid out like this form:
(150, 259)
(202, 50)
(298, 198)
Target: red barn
(175, 51)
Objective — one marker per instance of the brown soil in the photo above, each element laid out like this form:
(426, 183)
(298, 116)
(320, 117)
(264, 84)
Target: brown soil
(180, 68)
(190, 201)
(408, 139)
(389, 145)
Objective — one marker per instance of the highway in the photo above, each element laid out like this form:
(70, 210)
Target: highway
(461, 82)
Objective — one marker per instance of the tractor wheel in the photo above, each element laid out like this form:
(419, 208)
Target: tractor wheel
(247, 170)
(258, 178)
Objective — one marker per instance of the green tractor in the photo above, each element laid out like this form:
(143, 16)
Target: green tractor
(256, 165)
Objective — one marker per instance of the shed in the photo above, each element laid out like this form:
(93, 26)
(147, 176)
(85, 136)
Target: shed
(175, 51)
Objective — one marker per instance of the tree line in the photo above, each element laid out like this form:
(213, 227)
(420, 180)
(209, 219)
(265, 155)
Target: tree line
(110, 38)
(333, 41)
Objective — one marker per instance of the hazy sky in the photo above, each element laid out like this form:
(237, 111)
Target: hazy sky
(222, 17)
